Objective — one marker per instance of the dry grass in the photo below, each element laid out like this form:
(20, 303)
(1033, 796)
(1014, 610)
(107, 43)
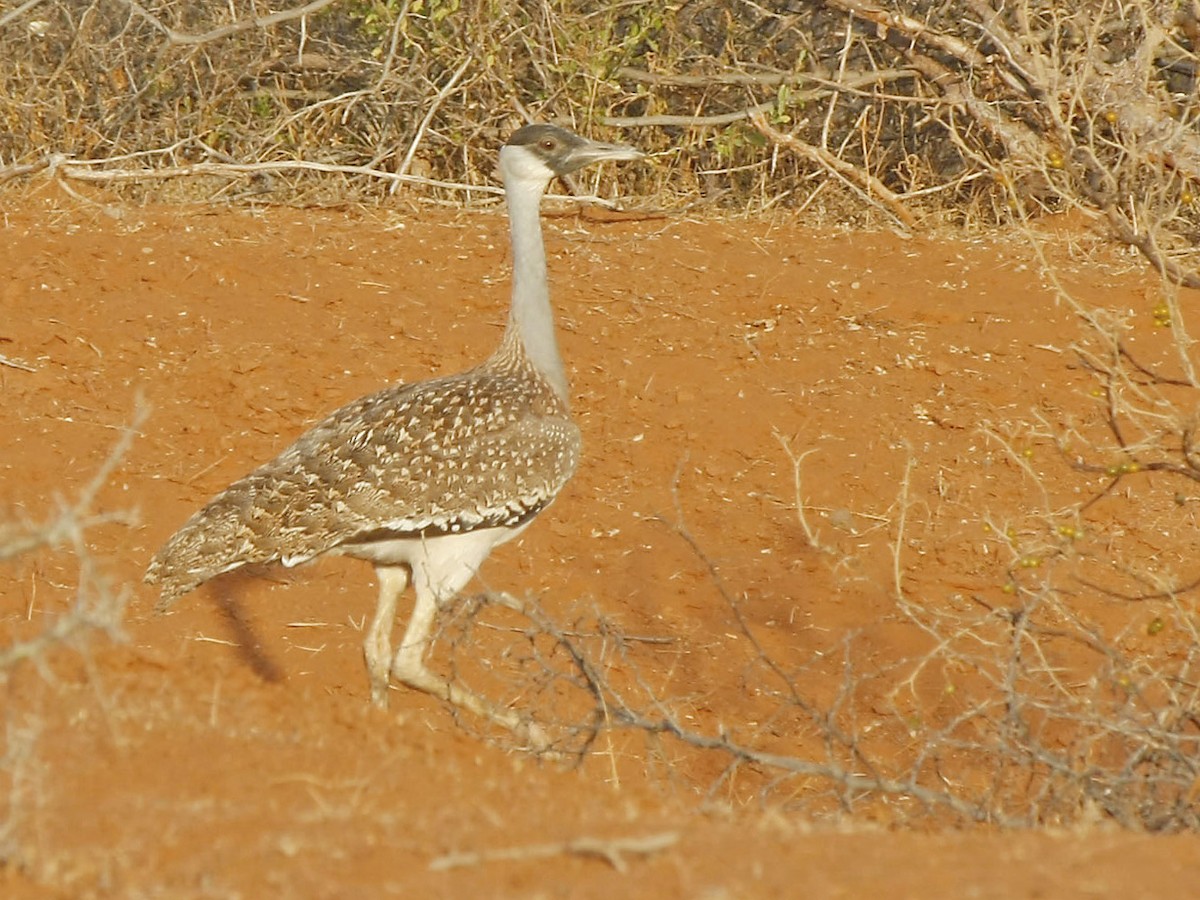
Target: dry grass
(838, 109)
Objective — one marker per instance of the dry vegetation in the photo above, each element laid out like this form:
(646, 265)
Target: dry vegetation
(978, 113)
(96, 609)
(901, 114)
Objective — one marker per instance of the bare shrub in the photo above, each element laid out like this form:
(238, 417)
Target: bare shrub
(847, 108)
(96, 608)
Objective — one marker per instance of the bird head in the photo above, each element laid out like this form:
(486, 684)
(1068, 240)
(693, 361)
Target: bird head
(539, 153)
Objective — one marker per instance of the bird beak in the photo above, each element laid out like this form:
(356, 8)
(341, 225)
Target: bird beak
(595, 151)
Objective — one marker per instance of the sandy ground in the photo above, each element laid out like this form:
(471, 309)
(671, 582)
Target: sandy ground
(227, 748)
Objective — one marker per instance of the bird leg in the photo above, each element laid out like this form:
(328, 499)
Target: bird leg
(377, 647)
(408, 667)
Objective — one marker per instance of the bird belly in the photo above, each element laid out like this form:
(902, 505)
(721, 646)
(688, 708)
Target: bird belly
(412, 550)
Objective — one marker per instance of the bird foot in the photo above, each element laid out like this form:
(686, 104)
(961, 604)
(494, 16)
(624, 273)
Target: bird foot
(419, 678)
(379, 696)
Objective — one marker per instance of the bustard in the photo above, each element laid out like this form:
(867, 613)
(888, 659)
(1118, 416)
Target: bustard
(424, 479)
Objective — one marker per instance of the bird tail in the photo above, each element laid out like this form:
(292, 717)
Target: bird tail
(210, 543)
(181, 566)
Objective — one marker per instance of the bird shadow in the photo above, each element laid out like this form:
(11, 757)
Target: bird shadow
(225, 593)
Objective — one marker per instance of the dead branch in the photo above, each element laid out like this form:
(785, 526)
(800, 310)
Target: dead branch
(442, 94)
(97, 607)
(66, 527)
(10, 172)
(15, 14)
(15, 364)
(617, 711)
(611, 850)
(670, 121)
(863, 181)
(95, 171)
(184, 39)
(852, 82)
(1125, 232)
(65, 629)
(849, 81)
(914, 30)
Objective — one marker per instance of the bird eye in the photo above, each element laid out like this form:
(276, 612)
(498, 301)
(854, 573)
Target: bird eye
(547, 143)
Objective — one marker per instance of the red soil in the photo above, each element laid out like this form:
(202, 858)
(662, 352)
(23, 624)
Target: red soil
(229, 750)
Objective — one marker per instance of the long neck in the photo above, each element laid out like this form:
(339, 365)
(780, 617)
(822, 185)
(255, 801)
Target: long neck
(531, 320)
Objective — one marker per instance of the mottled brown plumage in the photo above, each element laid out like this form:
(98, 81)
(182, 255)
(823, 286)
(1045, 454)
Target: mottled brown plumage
(422, 480)
(490, 447)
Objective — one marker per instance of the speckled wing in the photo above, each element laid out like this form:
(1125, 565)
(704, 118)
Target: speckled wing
(443, 456)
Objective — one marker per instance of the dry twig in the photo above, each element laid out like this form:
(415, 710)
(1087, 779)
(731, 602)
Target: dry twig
(611, 850)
